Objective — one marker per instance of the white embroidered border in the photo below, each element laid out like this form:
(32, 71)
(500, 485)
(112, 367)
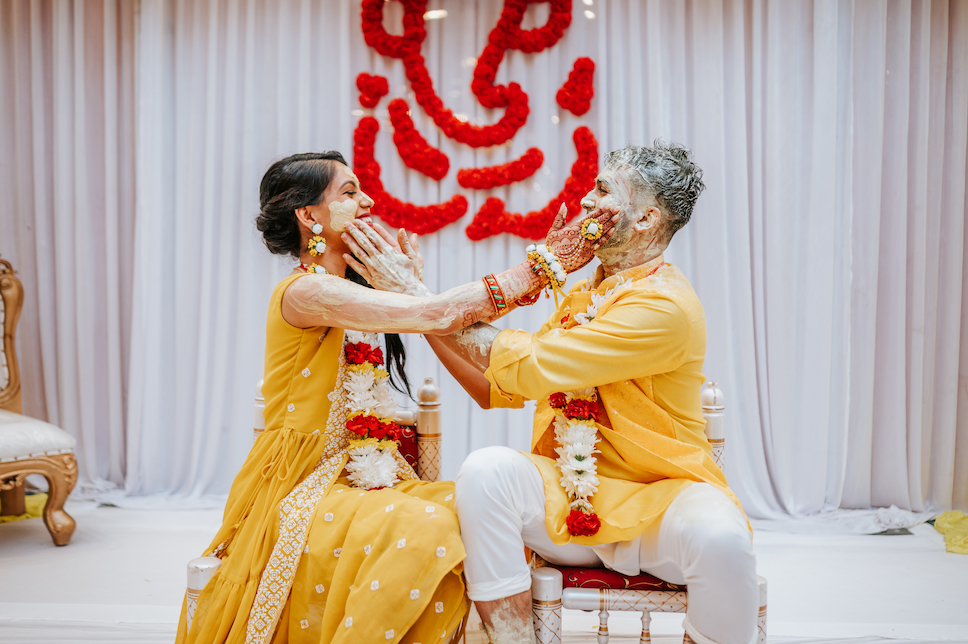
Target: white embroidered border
(295, 512)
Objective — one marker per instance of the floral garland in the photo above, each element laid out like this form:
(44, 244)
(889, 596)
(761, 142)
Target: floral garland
(399, 214)
(576, 413)
(507, 34)
(370, 405)
(372, 89)
(493, 219)
(577, 92)
(412, 147)
(503, 174)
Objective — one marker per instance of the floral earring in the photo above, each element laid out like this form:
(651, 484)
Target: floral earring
(317, 245)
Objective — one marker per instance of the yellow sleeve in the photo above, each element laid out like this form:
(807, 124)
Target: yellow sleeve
(639, 335)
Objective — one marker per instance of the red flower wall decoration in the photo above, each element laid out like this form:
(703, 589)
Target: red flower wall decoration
(575, 95)
(577, 92)
(493, 219)
(501, 175)
(414, 150)
(372, 89)
(399, 214)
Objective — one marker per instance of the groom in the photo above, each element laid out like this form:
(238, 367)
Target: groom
(620, 473)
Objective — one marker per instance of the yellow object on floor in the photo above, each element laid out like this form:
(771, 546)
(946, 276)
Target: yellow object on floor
(954, 526)
(35, 507)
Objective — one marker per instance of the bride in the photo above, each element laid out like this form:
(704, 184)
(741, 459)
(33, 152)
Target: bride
(328, 535)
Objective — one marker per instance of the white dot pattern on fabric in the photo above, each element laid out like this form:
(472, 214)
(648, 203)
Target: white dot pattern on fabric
(337, 552)
(448, 497)
(328, 516)
(430, 509)
(389, 508)
(306, 549)
(366, 549)
(362, 493)
(291, 407)
(414, 594)
(349, 622)
(441, 551)
(402, 543)
(315, 432)
(375, 584)
(443, 635)
(389, 634)
(304, 623)
(439, 607)
(306, 372)
(320, 588)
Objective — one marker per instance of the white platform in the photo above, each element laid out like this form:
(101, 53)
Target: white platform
(122, 577)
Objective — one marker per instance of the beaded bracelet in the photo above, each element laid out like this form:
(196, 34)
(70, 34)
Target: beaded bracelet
(497, 294)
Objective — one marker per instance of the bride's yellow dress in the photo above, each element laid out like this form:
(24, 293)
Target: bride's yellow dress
(305, 557)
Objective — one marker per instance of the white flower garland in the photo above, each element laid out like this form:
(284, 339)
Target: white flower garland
(372, 463)
(576, 461)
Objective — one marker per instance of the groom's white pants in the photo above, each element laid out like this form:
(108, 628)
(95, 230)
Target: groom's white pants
(702, 541)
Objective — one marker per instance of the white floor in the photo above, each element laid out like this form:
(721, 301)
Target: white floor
(122, 577)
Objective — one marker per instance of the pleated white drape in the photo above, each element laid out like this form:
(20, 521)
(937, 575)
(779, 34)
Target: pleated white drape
(828, 249)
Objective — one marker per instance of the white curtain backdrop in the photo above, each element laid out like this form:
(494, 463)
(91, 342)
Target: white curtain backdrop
(828, 249)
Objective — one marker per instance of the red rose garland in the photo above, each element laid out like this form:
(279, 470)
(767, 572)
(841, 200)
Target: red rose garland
(414, 150)
(372, 89)
(399, 214)
(503, 174)
(577, 92)
(493, 219)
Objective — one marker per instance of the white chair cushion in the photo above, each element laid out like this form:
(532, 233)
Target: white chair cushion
(25, 437)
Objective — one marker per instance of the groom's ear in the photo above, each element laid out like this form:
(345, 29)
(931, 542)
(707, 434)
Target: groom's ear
(648, 220)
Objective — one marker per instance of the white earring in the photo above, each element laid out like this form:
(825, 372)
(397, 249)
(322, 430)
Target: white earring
(317, 228)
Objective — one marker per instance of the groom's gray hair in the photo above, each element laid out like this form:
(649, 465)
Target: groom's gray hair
(664, 172)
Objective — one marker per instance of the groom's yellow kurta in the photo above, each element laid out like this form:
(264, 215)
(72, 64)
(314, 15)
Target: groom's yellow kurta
(643, 350)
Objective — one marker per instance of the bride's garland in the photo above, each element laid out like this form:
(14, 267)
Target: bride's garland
(370, 406)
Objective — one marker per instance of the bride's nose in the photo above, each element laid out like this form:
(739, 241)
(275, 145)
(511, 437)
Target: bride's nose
(366, 202)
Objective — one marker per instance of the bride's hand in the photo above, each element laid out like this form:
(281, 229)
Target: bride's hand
(380, 260)
(568, 244)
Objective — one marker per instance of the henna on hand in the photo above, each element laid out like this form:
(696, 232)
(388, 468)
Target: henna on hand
(567, 243)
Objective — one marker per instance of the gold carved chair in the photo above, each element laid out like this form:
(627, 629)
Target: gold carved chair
(27, 445)
(419, 444)
(554, 587)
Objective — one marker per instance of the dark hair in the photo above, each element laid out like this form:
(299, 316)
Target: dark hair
(289, 184)
(296, 182)
(666, 172)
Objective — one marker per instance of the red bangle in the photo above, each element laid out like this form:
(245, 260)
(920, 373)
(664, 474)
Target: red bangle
(497, 295)
(527, 300)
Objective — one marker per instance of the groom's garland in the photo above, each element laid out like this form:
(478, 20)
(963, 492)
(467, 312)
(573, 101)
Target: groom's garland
(370, 406)
(575, 415)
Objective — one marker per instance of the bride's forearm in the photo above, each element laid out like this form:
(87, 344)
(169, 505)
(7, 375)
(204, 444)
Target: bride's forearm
(325, 301)
(472, 344)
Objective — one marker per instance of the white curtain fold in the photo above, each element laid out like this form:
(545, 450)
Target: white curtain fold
(828, 249)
